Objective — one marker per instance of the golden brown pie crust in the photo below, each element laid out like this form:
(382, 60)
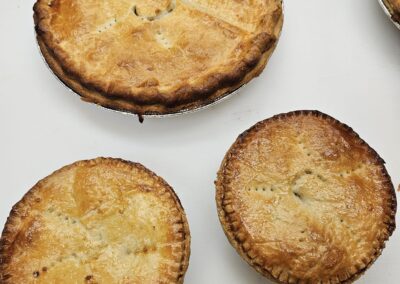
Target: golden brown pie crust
(97, 221)
(394, 9)
(187, 58)
(303, 199)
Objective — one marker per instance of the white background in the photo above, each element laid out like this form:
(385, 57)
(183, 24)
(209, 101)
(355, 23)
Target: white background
(341, 57)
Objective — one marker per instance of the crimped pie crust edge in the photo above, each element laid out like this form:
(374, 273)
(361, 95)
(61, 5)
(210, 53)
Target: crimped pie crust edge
(124, 105)
(247, 136)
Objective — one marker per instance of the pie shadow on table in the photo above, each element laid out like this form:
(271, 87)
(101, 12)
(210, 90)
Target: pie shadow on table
(244, 273)
(185, 125)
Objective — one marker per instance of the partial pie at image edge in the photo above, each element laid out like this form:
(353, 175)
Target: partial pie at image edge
(243, 220)
(392, 8)
(87, 201)
(149, 101)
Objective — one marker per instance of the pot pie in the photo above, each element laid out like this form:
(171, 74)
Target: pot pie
(303, 199)
(393, 7)
(156, 56)
(96, 221)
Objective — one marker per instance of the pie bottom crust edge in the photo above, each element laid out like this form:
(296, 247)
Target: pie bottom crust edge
(230, 233)
(119, 104)
(29, 198)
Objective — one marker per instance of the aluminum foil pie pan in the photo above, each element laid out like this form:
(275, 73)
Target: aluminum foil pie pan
(387, 12)
(141, 117)
(188, 110)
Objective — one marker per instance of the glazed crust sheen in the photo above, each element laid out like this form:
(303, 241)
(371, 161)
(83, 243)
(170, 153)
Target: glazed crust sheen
(121, 56)
(394, 9)
(97, 221)
(303, 199)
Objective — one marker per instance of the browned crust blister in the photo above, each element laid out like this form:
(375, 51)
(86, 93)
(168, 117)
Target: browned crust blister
(150, 100)
(235, 234)
(22, 209)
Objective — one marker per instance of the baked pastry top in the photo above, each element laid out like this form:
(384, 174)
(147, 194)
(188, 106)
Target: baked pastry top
(303, 199)
(156, 56)
(394, 9)
(96, 221)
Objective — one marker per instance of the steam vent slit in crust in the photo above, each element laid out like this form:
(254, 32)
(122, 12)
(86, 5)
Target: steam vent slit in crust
(156, 56)
(303, 199)
(97, 221)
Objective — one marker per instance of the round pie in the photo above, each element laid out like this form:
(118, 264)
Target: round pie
(156, 56)
(303, 199)
(393, 6)
(96, 221)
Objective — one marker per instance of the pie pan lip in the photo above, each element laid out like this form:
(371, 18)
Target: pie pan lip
(231, 232)
(148, 114)
(10, 227)
(387, 12)
(199, 105)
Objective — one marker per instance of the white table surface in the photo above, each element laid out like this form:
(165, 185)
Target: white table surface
(341, 57)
